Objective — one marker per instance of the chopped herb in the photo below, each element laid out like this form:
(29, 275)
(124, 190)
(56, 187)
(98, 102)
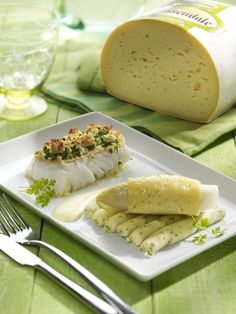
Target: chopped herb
(43, 190)
(218, 232)
(200, 239)
(202, 225)
(75, 144)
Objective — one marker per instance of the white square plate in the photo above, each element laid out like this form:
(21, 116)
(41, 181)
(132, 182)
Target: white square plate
(148, 157)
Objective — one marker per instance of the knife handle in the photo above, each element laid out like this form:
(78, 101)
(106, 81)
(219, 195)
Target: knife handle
(103, 289)
(85, 296)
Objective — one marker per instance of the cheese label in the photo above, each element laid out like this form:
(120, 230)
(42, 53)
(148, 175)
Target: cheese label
(203, 15)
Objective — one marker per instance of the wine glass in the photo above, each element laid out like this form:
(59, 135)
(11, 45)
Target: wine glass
(28, 39)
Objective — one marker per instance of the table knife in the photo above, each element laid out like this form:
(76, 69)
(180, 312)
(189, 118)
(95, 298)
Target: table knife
(108, 295)
(25, 257)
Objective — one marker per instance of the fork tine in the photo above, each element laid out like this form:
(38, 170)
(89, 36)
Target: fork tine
(4, 229)
(9, 203)
(5, 218)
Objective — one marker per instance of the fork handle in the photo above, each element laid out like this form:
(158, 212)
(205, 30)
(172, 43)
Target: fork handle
(103, 289)
(85, 296)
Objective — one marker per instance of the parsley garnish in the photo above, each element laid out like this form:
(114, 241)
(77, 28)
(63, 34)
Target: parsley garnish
(202, 225)
(200, 239)
(43, 190)
(218, 232)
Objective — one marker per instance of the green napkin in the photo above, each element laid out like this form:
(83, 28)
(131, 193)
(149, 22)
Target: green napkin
(188, 137)
(89, 76)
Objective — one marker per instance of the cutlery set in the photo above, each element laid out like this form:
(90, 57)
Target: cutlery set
(14, 232)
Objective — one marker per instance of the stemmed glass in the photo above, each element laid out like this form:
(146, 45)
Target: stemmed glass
(28, 39)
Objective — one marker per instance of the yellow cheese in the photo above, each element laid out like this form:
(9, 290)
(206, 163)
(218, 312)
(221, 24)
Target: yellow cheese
(164, 194)
(159, 194)
(179, 60)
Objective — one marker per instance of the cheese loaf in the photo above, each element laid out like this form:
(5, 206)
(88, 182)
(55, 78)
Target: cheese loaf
(179, 60)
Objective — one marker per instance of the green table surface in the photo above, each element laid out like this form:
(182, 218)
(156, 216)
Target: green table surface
(203, 284)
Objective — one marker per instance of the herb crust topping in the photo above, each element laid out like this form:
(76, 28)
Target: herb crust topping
(76, 144)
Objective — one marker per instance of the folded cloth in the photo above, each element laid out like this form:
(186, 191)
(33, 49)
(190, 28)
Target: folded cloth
(189, 137)
(89, 76)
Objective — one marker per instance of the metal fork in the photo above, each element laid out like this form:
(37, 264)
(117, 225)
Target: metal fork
(18, 230)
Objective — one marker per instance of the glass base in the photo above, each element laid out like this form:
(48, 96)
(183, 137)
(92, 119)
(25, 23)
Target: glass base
(35, 107)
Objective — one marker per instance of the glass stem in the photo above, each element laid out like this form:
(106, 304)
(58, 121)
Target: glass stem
(17, 99)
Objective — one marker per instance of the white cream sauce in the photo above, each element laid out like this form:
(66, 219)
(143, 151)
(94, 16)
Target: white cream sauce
(73, 207)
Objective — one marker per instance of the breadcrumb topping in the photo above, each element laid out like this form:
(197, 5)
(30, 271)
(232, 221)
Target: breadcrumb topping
(76, 144)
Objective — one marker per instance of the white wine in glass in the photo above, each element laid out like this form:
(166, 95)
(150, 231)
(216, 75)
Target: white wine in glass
(28, 39)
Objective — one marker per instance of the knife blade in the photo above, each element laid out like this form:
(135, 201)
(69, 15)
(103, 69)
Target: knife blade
(18, 252)
(25, 257)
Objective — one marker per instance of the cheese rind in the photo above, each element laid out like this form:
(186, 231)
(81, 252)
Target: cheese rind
(163, 66)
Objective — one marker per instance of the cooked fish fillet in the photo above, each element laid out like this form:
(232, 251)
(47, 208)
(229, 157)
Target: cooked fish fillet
(74, 175)
(79, 158)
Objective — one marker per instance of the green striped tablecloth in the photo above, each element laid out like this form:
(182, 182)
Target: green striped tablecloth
(189, 137)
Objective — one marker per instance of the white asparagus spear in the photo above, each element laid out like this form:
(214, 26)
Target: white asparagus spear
(114, 221)
(127, 227)
(100, 216)
(177, 231)
(210, 196)
(140, 234)
(90, 209)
